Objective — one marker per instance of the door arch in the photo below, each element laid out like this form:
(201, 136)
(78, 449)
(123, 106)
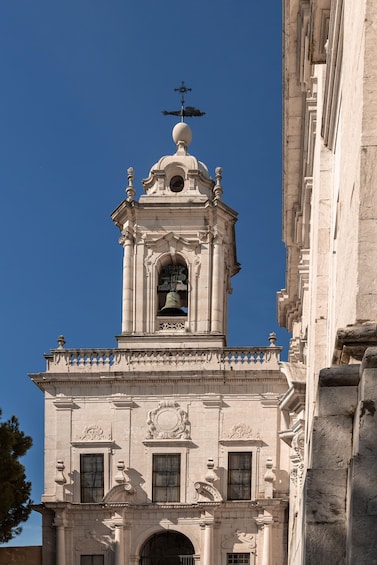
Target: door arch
(167, 548)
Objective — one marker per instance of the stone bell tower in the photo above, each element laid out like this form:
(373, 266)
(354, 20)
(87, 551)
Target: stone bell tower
(179, 250)
(166, 449)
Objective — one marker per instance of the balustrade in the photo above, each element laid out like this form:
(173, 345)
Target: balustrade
(106, 360)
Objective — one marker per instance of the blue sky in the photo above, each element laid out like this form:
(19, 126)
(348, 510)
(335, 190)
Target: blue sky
(83, 86)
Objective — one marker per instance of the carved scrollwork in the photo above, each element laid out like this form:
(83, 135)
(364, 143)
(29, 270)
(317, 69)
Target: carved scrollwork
(208, 491)
(241, 431)
(93, 433)
(170, 325)
(168, 421)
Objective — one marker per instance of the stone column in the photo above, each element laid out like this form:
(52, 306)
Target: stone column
(207, 543)
(127, 560)
(60, 539)
(118, 545)
(264, 523)
(139, 305)
(127, 284)
(217, 287)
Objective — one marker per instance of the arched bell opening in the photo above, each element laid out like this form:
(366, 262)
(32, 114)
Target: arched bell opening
(172, 289)
(167, 548)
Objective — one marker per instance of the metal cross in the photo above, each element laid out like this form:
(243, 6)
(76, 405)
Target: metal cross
(188, 112)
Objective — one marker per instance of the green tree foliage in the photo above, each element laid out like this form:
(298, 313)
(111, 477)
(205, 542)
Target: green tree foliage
(15, 503)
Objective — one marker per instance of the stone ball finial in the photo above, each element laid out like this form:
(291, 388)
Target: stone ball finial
(182, 134)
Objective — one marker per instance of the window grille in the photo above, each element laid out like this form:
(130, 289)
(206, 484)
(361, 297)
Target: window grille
(239, 476)
(238, 559)
(91, 477)
(183, 560)
(166, 478)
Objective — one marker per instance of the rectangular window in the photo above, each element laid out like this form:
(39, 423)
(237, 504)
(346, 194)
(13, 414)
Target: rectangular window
(91, 560)
(239, 476)
(91, 477)
(166, 478)
(238, 559)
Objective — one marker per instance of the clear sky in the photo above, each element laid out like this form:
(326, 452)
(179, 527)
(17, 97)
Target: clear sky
(83, 86)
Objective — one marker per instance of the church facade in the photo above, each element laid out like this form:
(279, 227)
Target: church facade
(166, 449)
(330, 300)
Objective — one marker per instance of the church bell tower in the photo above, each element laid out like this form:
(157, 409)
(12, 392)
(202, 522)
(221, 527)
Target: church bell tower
(166, 450)
(179, 253)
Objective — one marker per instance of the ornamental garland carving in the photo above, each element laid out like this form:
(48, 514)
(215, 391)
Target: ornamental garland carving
(241, 431)
(168, 421)
(93, 433)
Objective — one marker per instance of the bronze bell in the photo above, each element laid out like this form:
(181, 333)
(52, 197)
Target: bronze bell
(172, 305)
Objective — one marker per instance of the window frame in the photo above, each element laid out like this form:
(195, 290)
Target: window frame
(95, 448)
(177, 486)
(98, 470)
(232, 484)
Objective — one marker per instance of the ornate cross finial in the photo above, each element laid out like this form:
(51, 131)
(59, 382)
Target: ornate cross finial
(189, 111)
(183, 89)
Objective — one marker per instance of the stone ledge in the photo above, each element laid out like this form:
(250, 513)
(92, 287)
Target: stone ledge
(343, 375)
(352, 342)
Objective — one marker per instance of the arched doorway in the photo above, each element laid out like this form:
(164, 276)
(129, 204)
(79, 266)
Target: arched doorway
(167, 548)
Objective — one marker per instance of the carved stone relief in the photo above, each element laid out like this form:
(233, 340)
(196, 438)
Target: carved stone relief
(241, 431)
(297, 458)
(208, 491)
(168, 421)
(93, 433)
(237, 536)
(106, 542)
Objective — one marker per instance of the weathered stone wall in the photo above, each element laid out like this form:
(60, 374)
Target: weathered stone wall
(362, 497)
(326, 479)
(340, 494)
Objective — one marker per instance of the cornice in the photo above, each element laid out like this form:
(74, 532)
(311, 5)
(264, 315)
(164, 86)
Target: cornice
(221, 378)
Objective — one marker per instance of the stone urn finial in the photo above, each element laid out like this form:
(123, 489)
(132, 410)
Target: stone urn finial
(269, 479)
(210, 475)
(61, 342)
(130, 190)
